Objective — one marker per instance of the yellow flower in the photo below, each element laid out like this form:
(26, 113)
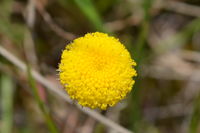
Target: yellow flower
(97, 70)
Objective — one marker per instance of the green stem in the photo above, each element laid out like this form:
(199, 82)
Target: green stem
(195, 120)
(141, 40)
(51, 125)
(139, 51)
(91, 13)
(7, 104)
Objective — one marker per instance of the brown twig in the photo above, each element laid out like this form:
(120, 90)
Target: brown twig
(190, 55)
(57, 29)
(88, 126)
(71, 121)
(173, 66)
(175, 6)
(120, 24)
(29, 46)
(162, 112)
(181, 8)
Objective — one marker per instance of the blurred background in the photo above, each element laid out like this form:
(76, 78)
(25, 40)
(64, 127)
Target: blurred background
(163, 36)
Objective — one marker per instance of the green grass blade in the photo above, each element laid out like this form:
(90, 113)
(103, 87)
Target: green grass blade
(142, 37)
(135, 101)
(90, 12)
(181, 38)
(195, 120)
(51, 125)
(7, 104)
(13, 31)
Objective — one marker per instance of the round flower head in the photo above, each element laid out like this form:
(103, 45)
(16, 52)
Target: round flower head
(97, 70)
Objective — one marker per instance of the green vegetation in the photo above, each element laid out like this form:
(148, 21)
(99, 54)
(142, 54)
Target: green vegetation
(162, 36)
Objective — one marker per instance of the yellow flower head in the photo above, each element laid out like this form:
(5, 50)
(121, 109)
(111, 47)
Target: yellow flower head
(97, 70)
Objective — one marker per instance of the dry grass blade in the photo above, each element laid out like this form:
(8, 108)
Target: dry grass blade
(52, 87)
(182, 8)
(57, 29)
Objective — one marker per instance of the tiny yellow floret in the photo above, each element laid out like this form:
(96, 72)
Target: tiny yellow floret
(97, 70)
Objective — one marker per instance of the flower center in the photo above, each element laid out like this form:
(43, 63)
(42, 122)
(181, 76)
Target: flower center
(99, 60)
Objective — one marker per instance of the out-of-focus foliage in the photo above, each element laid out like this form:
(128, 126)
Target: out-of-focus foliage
(8, 28)
(161, 35)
